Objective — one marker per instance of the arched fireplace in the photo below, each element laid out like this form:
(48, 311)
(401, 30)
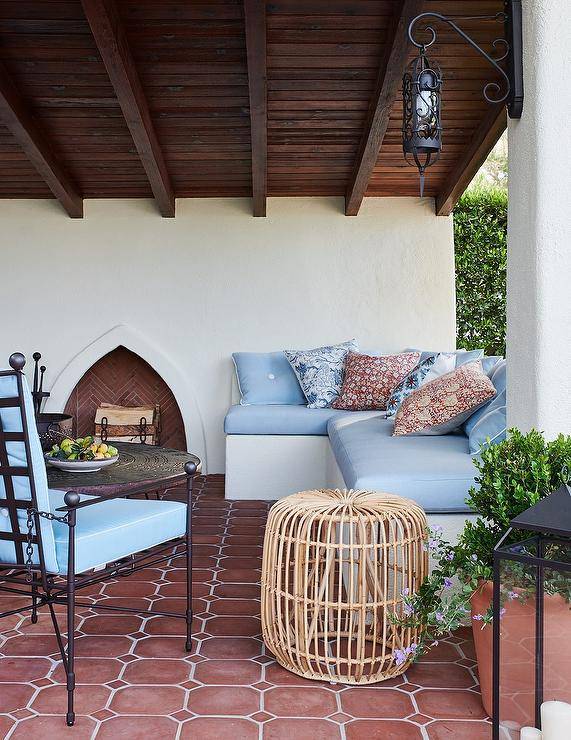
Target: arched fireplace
(123, 378)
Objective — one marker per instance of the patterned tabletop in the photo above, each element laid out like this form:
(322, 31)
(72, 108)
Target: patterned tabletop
(138, 466)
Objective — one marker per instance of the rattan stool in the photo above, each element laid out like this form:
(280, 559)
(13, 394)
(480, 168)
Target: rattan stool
(334, 568)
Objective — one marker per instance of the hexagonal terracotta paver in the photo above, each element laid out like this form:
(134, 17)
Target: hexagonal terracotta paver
(379, 703)
(224, 700)
(136, 678)
(293, 701)
(161, 700)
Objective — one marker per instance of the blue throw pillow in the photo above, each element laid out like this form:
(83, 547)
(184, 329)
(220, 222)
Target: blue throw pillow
(490, 430)
(409, 384)
(320, 371)
(498, 378)
(267, 378)
(462, 356)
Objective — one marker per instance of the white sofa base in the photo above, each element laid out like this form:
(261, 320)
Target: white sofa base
(269, 467)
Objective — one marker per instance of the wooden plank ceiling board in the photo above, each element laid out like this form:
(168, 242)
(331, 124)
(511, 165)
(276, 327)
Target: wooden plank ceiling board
(324, 59)
(255, 23)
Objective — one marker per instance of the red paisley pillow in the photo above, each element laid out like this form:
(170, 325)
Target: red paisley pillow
(369, 380)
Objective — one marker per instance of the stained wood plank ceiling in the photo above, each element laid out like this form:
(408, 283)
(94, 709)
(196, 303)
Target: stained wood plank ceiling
(146, 98)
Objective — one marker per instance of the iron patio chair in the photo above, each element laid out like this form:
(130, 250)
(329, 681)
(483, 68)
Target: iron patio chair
(51, 542)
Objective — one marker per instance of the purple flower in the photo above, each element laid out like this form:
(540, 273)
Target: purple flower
(474, 557)
(439, 616)
(405, 592)
(408, 610)
(478, 617)
(447, 583)
(502, 612)
(432, 544)
(450, 556)
(437, 529)
(512, 595)
(400, 657)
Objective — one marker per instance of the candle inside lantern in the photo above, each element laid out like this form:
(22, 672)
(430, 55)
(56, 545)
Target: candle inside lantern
(555, 720)
(530, 733)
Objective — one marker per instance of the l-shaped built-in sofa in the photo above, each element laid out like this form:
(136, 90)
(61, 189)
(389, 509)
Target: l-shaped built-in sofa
(275, 450)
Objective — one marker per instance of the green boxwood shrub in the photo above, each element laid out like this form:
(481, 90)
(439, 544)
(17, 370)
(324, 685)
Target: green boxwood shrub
(480, 238)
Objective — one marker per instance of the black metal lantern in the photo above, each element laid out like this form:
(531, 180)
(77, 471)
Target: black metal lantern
(422, 82)
(532, 622)
(421, 127)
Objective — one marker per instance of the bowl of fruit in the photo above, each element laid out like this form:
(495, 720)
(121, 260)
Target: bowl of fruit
(82, 455)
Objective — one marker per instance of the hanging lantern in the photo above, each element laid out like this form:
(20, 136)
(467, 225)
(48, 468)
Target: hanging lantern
(422, 129)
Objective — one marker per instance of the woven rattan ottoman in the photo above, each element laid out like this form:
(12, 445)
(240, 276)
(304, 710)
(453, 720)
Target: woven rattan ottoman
(335, 566)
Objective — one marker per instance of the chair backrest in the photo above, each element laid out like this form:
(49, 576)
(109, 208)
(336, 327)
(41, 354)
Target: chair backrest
(23, 479)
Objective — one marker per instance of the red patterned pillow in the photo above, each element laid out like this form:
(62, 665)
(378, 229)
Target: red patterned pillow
(369, 380)
(441, 406)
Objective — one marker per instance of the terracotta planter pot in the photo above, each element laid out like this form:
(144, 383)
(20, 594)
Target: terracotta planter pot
(518, 654)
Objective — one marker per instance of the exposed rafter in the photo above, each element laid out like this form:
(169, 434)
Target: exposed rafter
(112, 43)
(18, 119)
(484, 139)
(255, 22)
(388, 86)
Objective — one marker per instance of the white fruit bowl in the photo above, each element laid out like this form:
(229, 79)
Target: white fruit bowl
(81, 466)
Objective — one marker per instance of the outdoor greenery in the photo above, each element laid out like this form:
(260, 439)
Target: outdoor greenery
(512, 476)
(480, 239)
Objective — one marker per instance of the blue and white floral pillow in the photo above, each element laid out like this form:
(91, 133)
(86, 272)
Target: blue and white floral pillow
(409, 384)
(320, 371)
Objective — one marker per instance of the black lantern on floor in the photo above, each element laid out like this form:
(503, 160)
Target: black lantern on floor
(532, 622)
(422, 82)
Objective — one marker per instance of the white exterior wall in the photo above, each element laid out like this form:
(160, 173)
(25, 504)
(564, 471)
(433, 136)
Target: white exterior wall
(539, 229)
(184, 293)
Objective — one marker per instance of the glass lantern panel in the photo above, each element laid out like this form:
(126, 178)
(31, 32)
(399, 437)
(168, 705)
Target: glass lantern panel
(557, 626)
(517, 647)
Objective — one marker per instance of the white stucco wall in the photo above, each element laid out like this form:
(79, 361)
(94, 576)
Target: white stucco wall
(539, 229)
(186, 292)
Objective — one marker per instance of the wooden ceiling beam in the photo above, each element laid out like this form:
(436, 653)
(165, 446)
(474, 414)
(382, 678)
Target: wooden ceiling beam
(484, 140)
(255, 23)
(113, 46)
(18, 119)
(388, 85)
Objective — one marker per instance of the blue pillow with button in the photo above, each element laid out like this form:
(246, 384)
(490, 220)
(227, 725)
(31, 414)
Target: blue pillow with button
(267, 378)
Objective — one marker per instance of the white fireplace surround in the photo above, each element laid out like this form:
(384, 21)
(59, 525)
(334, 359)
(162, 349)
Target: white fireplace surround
(158, 359)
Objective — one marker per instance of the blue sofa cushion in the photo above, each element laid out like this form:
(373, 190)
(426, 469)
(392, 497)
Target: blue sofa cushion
(498, 378)
(491, 429)
(267, 378)
(11, 420)
(436, 472)
(320, 371)
(114, 529)
(284, 420)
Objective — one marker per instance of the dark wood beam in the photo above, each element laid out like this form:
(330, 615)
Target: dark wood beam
(484, 140)
(255, 22)
(388, 85)
(112, 43)
(18, 119)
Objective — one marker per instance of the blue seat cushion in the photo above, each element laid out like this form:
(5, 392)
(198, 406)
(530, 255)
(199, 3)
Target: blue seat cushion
(115, 529)
(267, 378)
(284, 419)
(436, 472)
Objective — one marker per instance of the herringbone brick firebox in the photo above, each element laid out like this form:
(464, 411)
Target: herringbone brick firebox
(122, 377)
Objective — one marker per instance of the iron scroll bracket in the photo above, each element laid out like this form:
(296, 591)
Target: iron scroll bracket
(510, 46)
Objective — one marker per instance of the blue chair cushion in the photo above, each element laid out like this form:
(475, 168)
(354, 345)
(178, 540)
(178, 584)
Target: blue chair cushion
(491, 429)
(267, 378)
(498, 378)
(11, 420)
(436, 472)
(115, 529)
(284, 420)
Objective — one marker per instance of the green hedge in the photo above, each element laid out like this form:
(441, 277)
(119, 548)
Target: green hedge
(480, 236)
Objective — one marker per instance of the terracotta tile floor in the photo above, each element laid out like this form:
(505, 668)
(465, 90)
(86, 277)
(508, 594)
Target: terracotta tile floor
(135, 681)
